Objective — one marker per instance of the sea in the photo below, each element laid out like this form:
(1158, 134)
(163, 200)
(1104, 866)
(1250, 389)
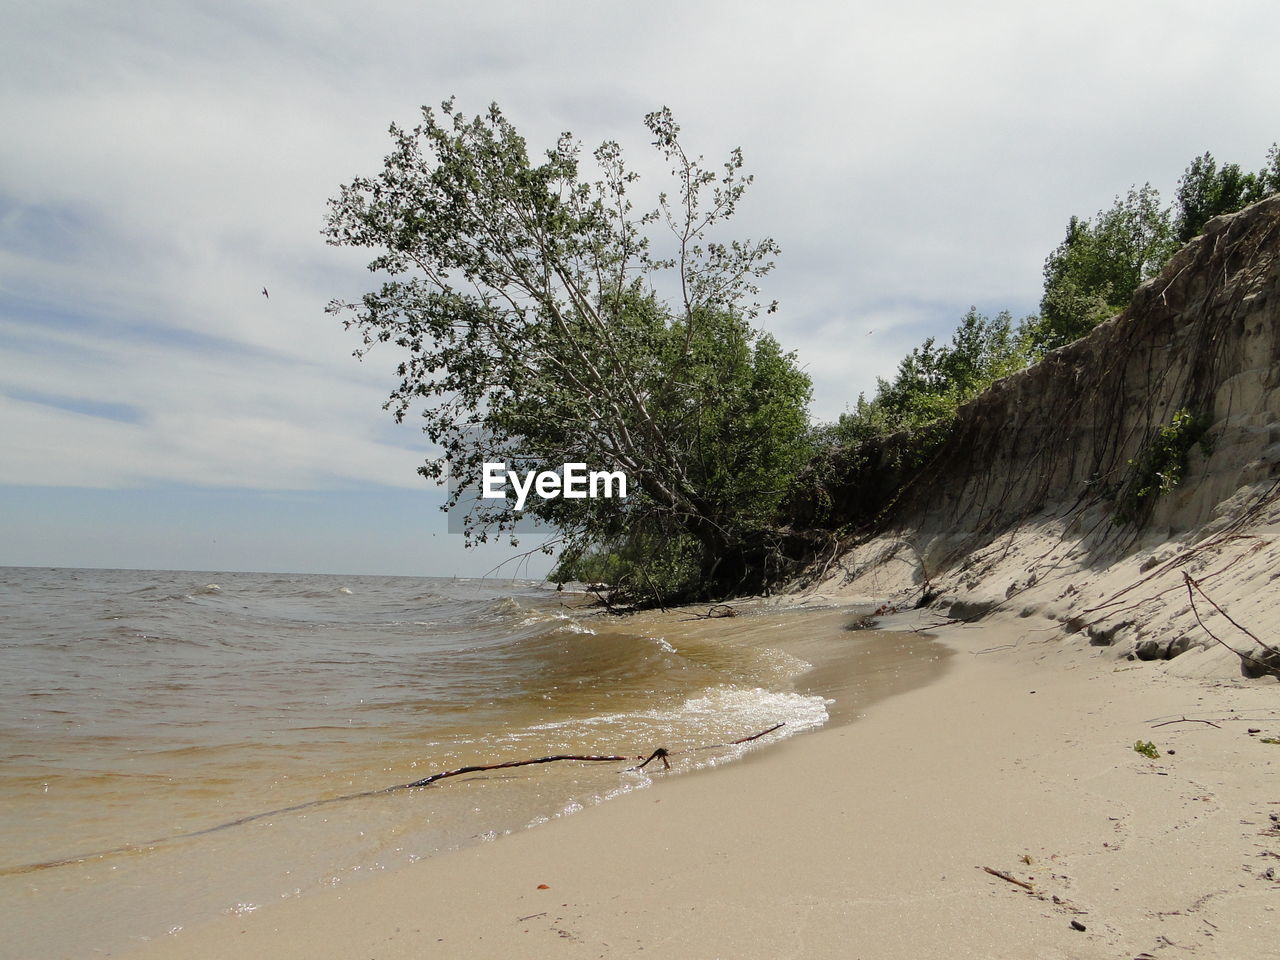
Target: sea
(179, 745)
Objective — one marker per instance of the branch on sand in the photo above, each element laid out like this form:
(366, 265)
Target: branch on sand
(1185, 720)
(1011, 879)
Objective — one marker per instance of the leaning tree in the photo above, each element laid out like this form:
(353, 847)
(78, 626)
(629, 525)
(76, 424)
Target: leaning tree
(539, 315)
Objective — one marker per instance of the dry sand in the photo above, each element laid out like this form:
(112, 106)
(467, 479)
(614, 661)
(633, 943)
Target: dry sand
(868, 840)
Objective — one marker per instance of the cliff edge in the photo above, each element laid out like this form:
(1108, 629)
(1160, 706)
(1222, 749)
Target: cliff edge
(1089, 487)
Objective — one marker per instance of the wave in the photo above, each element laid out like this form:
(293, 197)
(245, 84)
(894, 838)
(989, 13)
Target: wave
(718, 713)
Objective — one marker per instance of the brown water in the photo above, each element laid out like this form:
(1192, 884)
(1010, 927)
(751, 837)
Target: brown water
(144, 713)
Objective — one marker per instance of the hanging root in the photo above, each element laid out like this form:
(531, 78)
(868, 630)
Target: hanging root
(1268, 664)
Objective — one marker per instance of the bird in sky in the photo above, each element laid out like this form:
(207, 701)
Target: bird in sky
(265, 294)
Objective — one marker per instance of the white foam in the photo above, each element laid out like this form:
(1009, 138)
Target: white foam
(562, 620)
(718, 714)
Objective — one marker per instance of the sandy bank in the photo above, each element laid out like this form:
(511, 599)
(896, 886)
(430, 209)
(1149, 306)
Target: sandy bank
(1069, 491)
(868, 840)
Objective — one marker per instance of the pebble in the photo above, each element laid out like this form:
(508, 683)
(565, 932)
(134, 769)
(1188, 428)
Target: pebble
(1254, 730)
(1077, 925)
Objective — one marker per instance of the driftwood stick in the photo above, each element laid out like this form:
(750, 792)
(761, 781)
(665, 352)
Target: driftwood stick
(934, 626)
(425, 781)
(1011, 879)
(757, 736)
(715, 612)
(1234, 718)
(1185, 720)
(659, 754)
(734, 743)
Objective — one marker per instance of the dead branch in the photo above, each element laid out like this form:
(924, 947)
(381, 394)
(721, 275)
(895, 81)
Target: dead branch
(756, 736)
(734, 743)
(1011, 879)
(1234, 718)
(1185, 720)
(597, 592)
(715, 612)
(479, 768)
(660, 754)
(995, 649)
(934, 626)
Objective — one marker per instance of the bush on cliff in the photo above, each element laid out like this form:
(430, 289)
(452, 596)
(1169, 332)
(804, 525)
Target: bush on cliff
(933, 380)
(1207, 190)
(1092, 274)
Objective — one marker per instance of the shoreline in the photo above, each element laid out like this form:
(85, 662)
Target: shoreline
(157, 826)
(868, 839)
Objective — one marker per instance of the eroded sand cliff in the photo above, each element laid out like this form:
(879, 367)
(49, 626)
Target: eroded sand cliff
(1031, 505)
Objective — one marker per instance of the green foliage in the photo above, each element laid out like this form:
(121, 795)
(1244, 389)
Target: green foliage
(594, 566)
(1206, 191)
(1094, 271)
(1162, 464)
(1270, 174)
(874, 449)
(1147, 749)
(740, 404)
(639, 567)
(933, 381)
(523, 298)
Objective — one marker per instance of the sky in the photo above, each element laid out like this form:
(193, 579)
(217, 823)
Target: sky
(163, 162)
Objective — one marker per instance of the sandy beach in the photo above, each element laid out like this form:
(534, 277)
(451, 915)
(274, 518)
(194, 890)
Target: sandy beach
(870, 839)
